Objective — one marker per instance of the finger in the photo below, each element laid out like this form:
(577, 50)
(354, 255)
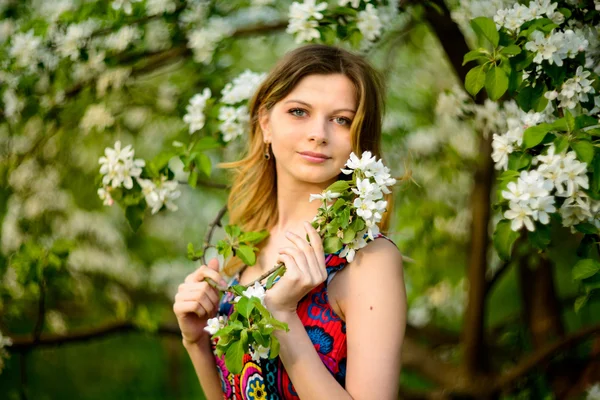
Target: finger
(194, 294)
(292, 271)
(312, 264)
(213, 264)
(195, 287)
(205, 272)
(298, 257)
(189, 306)
(317, 250)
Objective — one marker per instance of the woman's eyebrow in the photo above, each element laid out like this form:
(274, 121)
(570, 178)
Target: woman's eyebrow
(308, 105)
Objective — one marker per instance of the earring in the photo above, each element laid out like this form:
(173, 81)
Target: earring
(267, 151)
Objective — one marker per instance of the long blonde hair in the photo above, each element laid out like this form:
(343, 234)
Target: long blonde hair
(252, 201)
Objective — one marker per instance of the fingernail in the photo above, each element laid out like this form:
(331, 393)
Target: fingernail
(223, 283)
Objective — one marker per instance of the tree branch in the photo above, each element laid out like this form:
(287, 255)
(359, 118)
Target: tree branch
(543, 355)
(23, 344)
(211, 229)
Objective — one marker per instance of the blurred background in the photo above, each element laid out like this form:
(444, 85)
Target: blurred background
(87, 289)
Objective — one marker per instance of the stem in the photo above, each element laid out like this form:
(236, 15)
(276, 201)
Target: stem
(211, 230)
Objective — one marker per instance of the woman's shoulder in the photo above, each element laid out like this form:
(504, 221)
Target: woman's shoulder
(380, 253)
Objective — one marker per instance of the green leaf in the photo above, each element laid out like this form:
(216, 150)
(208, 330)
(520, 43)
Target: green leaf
(535, 134)
(580, 302)
(486, 28)
(234, 356)
(474, 55)
(529, 96)
(570, 121)
(584, 151)
(233, 231)
(519, 160)
(274, 352)
(349, 235)
(587, 228)
(260, 339)
(206, 143)
(540, 238)
(585, 268)
(254, 237)
(190, 250)
(193, 178)
(511, 50)
(135, 216)
(338, 186)
(560, 144)
(244, 306)
(271, 281)
(475, 80)
(496, 82)
(508, 175)
(205, 164)
(595, 183)
(504, 238)
(584, 120)
(332, 244)
(246, 254)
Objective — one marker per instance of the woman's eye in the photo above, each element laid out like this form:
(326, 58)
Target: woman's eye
(343, 121)
(297, 112)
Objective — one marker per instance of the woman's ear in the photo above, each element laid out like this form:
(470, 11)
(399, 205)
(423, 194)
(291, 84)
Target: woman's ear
(263, 121)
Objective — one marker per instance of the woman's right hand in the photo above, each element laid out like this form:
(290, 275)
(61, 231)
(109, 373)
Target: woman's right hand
(196, 302)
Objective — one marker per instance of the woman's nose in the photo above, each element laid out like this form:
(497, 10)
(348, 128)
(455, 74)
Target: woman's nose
(318, 132)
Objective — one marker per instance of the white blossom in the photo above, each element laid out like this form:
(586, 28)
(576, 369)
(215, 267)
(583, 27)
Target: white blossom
(303, 19)
(104, 194)
(256, 290)
(502, 148)
(157, 195)
(119, 167)
(325, 196)
(204, 41)
(362, 163)
(353, 3)
(121, 39)
(157, 36)
(259, 352)
(156, 7)
(349, 250)
(242, 87)
(25, 48)
(195, 117)
(98, 117)
(126, 5)
(369, 23)
(213, 325)
(520, 215)
(74, 38)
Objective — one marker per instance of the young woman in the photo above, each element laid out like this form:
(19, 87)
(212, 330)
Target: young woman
(317, 105)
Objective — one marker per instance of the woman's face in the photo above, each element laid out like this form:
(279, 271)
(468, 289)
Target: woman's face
(309, 129)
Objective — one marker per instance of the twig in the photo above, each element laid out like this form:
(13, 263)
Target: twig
(265, 275)
(211, 229)
(496, 277)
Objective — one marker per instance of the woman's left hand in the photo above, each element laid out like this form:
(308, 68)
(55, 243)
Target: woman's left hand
(305, 269)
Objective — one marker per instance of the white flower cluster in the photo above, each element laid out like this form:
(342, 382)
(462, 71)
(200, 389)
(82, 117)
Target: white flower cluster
(303, 20)
(242, 87)
(213, 325)
(70, 41)
(25, 48)
(120, 40)
(533, 196)
(158, 195)
(157, 7)
(369, 204)
(556, 46)
(204, 41)
(503, 145)
(125, 5)
(593, 392)
(234, 120)
(195, 117)
(573, 90)
(441, 298)
(259, 352)
(96, 116)
(4, 342)
(513, 18)
(369, 23)
(256, 290)
(118, 166)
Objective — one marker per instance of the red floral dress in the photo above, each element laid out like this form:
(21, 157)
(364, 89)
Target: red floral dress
(267, 379)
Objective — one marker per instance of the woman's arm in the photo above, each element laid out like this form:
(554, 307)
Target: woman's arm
(204, 363)
(375, 313)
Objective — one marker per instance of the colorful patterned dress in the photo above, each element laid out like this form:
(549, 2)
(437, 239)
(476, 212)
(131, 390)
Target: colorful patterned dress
(267, 379)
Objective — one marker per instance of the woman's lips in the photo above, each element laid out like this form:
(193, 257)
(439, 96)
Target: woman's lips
(314, 157)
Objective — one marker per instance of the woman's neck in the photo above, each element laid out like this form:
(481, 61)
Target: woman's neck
(294, 207)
